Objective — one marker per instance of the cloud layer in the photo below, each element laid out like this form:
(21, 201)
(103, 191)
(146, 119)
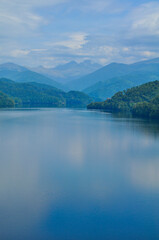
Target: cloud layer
(38, 32)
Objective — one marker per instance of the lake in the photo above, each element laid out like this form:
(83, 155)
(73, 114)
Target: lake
(70, 174)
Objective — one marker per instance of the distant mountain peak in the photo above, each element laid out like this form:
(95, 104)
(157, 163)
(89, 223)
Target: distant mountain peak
(12, 67)
(68, 71)
(87, 61)
(66, 65)
(116, 64)
(152, 61)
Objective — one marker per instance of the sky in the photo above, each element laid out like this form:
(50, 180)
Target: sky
(53, 32)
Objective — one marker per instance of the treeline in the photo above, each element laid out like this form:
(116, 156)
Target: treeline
(41, 95)
(5, 101)
(147, 109)
(141, 101)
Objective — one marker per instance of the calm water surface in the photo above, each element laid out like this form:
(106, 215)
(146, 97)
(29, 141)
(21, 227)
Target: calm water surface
(78, 175)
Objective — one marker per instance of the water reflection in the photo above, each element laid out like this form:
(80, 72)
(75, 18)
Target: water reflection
(148, 126)
(145, 176)
(68, 174)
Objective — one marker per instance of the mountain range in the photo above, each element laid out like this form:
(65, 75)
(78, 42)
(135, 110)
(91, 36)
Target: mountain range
(101, 83)
(22, 74)
(115, 77)
(69, 71)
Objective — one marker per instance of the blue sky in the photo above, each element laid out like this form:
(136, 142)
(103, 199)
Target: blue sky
(52, 32)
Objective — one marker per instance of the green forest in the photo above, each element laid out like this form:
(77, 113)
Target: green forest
(5, 101)
(41, 95)
(141, 101)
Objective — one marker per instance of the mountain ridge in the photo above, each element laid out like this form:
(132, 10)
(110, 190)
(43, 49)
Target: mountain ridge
(113, 70)
(66, 72)
(33, 94)
(19, 73)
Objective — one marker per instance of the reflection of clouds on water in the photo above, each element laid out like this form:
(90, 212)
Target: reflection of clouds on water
(75, 151)
(60, 158)
(22, 200)
(23, 195)
(145, 175)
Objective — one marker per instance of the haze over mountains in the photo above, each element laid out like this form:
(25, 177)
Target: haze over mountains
(101, 83)
(115, 77)
(69, 71)
(22, 74)
(56, 77)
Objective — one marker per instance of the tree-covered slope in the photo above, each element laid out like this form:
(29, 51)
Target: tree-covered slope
(41, 95)
(5, 101)
(107, 89)
(78, 99)
(142, 101)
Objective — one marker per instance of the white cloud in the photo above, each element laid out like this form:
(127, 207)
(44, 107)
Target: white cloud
(148, 54)
(103, 61)
(38, 50)
(18, 17)
(145, 19)
(108, 50)
(25, 27)
(125, 49)
(74, 41)
(19, 53)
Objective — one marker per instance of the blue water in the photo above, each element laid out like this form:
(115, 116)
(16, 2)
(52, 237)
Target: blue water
(78, 175)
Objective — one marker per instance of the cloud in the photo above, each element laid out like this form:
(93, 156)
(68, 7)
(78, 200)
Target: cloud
(75, 41)
(30, 3)
(17, 14)
(145, 19)
(50, 32)
(19, 52)
(148, 54)
(20, 17)
(108, 50)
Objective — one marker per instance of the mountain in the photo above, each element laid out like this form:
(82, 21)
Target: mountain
(102, 74)
(107, 89)
(154, 61)
(69, 71)
(21, 74)
(141, 101)
(12, 67)
(115, 77)
(41, 95)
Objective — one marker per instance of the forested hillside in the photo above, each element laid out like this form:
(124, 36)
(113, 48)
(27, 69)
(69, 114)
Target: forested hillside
(107, 89)
(41, 95)
(5, 101)
(141, 101)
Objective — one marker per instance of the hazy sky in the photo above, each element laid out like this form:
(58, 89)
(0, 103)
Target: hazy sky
(51, 32)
